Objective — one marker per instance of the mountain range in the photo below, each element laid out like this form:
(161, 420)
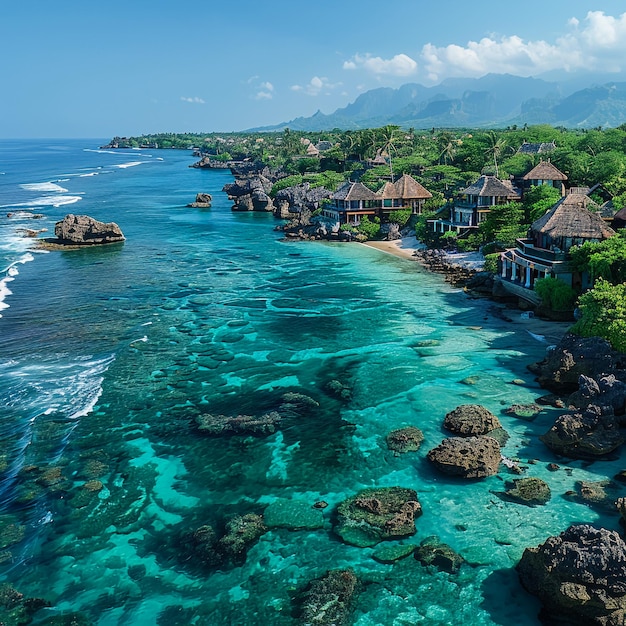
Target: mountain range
(494, 100)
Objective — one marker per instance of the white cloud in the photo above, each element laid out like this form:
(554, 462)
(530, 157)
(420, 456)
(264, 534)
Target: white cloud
(399, 65)
(194, 100)
(316, 85)
(596, 43)
(263, 95)
(267, 86)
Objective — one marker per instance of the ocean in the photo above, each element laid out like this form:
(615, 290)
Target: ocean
(108, 356)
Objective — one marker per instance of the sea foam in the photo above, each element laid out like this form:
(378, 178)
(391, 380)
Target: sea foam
(49, 186)
(10, 273)
(55, 201)
(130, 164)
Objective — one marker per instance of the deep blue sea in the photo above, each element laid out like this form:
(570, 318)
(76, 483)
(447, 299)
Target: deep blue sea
(107, 355)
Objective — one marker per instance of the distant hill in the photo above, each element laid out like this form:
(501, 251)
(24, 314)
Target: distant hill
(494, 100)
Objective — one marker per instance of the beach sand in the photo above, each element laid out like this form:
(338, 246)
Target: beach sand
(544, 331)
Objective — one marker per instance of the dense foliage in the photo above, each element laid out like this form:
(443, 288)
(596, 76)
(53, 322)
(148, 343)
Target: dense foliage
(603, 314)
(606, 259)
(555, 294)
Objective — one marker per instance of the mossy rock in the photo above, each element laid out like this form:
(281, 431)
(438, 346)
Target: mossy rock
(529, 491)
(293, 515)
(403, 440)
(374, 515)
(433, 552)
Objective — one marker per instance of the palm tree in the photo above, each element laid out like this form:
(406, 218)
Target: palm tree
(446, 147)
(497, 145)
(389, 138)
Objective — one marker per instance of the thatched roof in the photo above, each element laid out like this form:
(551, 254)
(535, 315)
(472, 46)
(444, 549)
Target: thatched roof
(545, 171)
(572, 217)
(536, 148)
(311, 150)
(354, 191)
(619, 219)
(490, 186)
(405, 188)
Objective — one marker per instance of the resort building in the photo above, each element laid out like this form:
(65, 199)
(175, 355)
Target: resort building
(546, 174)
(570, 222)
(619, 219)
(474, 203)
(350, 203)
(405, 193)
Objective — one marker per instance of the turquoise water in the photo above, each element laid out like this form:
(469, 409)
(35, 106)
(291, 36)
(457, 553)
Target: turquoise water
(108, 355)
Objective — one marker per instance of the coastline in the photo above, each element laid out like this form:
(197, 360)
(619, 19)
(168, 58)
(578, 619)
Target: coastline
(545, 331)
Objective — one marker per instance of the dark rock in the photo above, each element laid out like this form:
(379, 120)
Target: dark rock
(203, 201)
(432, 551)
(579, 576)
(219, 425)
(553, 467)
(620, 505)
(328, 600)
(590, 356)
(374, 515)
(620, 476)
(468, 457)
(470, 420)
(605, 391)
(587, 435)
(529, 491)
(322, 504)
(339, 390)
(242, 532)
(407, 439)
(597, 491)
(84, 230)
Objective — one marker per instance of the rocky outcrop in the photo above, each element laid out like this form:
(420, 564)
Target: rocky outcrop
(579, 576)
(328, 600)
(202, 201)
(403, 440)
(468, 457)
(606, 391)
(529, 491)
(85, 230)
(437, 261)
(293, 199)
(374, 515)
(471, 419)
(224, 425)
(574, 356)
(251, 194)
(590, 434)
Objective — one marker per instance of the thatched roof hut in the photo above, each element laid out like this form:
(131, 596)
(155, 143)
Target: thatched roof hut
(405, 188)
(350, 192)
(490, 186)
(571, 221)
(619, 219)
(545, 171)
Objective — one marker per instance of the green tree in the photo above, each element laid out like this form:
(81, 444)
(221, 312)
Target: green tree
(555, 294)
(400, 216)
(537, 200)
(605, 259)
(503, 224)
(603, 314)
(369, 228)
(496, 147)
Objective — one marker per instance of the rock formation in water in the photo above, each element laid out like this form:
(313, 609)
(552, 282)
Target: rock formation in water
(85, 230)
(579, 576)
(202, 201)
(468, 457)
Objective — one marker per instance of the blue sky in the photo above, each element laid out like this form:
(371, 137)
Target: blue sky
(79, 68)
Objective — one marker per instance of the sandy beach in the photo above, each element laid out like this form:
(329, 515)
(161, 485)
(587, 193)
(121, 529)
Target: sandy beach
(544, 331)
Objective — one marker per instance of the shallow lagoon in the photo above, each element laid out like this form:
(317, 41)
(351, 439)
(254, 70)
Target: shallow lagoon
(108, 355)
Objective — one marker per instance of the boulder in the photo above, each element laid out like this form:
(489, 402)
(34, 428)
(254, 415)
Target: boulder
(203, 201)
(605, 391)
(529, 491)
(374, 515)
(471, 419)
(84, 230)
(590, 434)
(432, 551)
(468, 457)
(591, 356)
(403, 440)
(579, 576)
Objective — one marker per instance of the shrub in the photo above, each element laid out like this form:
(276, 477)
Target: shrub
(283, 183)
(400, 217)
(491, 262)
(369, 228)
(603, 314)
(555, 294)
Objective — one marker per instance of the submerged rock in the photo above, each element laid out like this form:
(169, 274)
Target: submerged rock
(530, 491)
(403, 440)
(468, 457)
(580, 576)
(293, 515)
(242, 532)
(85, 230)
(391, 554)
(328, 600)
(374, 515)
(15, 608)
(219, 425)
(432, 551)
